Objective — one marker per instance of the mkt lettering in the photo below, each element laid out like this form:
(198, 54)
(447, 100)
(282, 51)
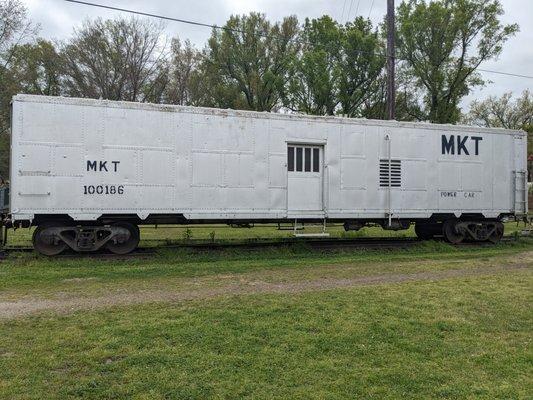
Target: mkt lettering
(102, 166)
(461, 145)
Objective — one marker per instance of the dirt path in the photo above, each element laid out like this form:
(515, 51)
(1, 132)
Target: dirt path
(14, 309)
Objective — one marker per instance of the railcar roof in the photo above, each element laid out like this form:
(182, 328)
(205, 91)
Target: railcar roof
(256, 114)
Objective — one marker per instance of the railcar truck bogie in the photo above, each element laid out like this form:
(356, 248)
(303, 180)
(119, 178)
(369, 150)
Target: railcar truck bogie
(87, 173)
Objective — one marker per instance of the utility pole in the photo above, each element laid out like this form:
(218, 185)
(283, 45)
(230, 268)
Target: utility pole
(391, 87)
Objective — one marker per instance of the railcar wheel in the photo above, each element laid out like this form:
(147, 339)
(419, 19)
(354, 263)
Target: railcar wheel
(422, 232)
(428, 230)
(47, 243)
(451, 234)
(124, 244)
(497, 235)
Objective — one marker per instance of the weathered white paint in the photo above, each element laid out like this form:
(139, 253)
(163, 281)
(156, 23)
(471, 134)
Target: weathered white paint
(220, 164)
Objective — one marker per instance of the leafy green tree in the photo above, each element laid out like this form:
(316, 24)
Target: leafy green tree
(247, 62)
(36, 68)
(407, 107)
(208, 89)
(337, 69)
(443, 43)
(313, 87)
(361, 65)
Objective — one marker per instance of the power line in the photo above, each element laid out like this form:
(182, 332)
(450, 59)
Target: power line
(357, 8)
(184, 21)
(349, 11)
(205, 25)
(504, 73)
(371, 7)
(343, 9)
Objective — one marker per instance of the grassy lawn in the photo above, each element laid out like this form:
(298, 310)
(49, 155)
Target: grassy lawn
(248, 331)
(28, 273)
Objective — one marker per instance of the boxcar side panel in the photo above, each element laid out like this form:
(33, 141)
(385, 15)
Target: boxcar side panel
(86, 158)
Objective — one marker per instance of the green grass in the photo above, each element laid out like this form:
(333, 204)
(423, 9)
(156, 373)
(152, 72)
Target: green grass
(466, 337)
(462, 338)
(23, 274)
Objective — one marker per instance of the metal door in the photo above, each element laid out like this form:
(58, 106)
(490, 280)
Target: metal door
(304, 182)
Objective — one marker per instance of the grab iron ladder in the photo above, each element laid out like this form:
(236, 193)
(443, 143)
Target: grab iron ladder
(520, 194)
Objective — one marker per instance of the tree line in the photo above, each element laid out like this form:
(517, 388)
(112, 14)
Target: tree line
(318, 66)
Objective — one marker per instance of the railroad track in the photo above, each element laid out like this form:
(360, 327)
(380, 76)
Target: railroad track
(315, 244)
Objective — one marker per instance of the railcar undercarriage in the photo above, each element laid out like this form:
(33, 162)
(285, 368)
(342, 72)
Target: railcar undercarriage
(121, 236)
(457, 231)
(54, 238)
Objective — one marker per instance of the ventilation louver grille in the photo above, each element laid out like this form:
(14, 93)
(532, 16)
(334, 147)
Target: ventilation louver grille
(395, 173)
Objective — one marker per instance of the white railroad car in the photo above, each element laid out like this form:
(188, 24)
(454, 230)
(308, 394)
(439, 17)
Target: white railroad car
(88, 172)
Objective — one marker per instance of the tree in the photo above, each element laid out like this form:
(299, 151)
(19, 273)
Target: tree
(184, 65)
(361, 65)
(15, 28)
(314, 77)
(443, 43)
(337, 69)
(122, 59)
(503, 112)
(209, 89)
(247, 62)
(407, 107)
(36, 68)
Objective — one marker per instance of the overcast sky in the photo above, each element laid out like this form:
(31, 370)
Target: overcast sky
(58, 18)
